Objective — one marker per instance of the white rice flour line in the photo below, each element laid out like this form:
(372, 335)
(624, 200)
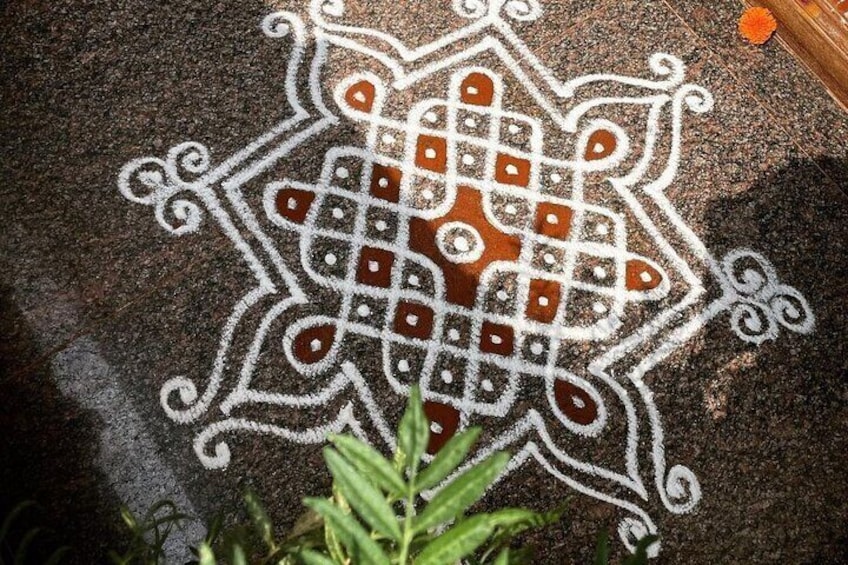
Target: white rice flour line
(758, 303)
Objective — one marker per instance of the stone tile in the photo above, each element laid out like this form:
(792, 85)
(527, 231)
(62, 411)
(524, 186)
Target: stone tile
(796, 99)
(762, 427)
(92, 90)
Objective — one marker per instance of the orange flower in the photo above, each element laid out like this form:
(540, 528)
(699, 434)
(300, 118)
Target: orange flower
(757, 25)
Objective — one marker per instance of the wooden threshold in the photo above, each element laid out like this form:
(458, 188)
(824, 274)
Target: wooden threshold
(816, 32)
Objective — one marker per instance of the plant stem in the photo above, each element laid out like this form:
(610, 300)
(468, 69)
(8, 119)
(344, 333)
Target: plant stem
(407, 528)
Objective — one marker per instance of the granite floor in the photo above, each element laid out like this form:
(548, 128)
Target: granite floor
(102, 307)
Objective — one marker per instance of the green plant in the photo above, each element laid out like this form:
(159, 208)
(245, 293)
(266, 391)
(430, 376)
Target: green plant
(373, 515)
(376, 514)
(19, 553)
(149, 534)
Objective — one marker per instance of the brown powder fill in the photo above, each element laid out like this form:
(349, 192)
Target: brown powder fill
(543, 300)
(312, 344)
(601, 145)
(575, 403)
(293, 204)
(497, 338)
(447, 417)
(375, 267)
(477, 89)
(414, 320)
(360, 96)
(641, 276)
(553, 220)
(461, 279)
(431, 153)
(512, 170)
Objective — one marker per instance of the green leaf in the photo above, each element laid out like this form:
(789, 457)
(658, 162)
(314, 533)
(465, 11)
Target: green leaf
(640, 556)
(602, 549)
(237, 556)
(459, 541)
(370, 462)
(129, 519)
(206, 555)
(260, 519)
(503, 557)
(214, 529)
(414, 430)
(12, 516)
(461, 493)
(310, 557)
(450, 456)
(57, 556)
(26, 541)
(363, 497)
(308, 522)
(362, 548)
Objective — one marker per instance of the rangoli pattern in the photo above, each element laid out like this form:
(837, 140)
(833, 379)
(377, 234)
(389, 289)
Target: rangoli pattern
(468, 244)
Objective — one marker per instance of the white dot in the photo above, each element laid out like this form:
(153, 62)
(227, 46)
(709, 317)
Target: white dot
(549, 259)
(403, 366)
(330, 259)
(338, 213)
(427, 194)
(536, 348)
(556, 177)
(599, 308)
(461, 244)
(645, 276)
(511, 209)
(436, 428)
(578, 402)
(468, 159)
(373, 266)
(552, 219)
(412, 319)
(315, 345)
(430, 153)
(453, 335)
(472, 90)
(487, 385)
(383, 182)
(514, 128)
(388, 138)
(601, 229)
(502, 295)
(600, 273)
(471, 122)
(342, 173)
(292, 203)
(511, 169)
(363, 310)
(447, 377)
(380, 225)
(431, 117)
(413, 280)
(496, 339)
(359, 96)
(599, 148)
(543, 301)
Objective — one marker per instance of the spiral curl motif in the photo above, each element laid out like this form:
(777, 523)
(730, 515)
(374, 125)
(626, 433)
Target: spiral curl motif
(759, 304)
(471, 9)
(158, 182)
(632, 529)
(523, 10)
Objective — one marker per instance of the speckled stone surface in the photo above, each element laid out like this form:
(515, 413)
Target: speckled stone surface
(94, 291)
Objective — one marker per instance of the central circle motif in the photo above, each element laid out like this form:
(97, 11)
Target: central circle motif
(460, 242)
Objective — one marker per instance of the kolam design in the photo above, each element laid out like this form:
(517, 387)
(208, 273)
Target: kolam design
(467, 243)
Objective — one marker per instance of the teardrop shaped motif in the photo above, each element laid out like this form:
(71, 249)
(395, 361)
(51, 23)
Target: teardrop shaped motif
(312, 344)
(575, 403)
